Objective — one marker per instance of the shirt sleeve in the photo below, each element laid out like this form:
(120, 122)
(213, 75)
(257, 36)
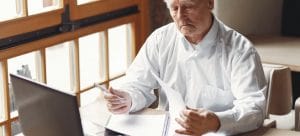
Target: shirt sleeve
(248, 86)
(139, 82)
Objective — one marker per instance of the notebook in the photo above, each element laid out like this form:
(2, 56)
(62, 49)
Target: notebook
(145, 123)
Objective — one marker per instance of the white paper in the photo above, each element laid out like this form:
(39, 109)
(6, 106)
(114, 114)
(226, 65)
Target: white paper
(176, 104)
(94, 117)
(96, 112)
(138, 125)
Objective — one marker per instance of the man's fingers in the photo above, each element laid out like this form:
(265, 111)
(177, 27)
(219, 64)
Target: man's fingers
(183, 131)
(184, 118)
(187, 107)
(194, 115)
(120, 110)
(191, 115)
(110, 96)
(117, 101)
(186, 125)
(115, 106)
(114, 99)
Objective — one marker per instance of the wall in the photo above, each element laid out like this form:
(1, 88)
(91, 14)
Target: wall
(251, 17)
(159, 14)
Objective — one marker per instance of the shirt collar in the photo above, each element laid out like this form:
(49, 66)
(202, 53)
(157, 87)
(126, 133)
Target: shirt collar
(210, 38)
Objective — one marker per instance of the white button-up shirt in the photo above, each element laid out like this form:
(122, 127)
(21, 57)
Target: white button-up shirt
(222, 73)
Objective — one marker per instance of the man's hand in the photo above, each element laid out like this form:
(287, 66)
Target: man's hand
(197, 122)
(118, 102)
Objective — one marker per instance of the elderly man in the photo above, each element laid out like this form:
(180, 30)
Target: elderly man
(215, 69)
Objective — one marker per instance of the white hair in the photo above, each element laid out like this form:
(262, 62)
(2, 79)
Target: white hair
(167, 3)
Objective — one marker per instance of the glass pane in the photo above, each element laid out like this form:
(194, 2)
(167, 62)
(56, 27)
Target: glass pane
(118, 49)
(89, 58)
(58, 66)
(2, 117)
(89, 96)
(79, 2)
(2, 132)
(10, 9)
(39, 6)
(15, 128)
(25, 65)
(115, 83)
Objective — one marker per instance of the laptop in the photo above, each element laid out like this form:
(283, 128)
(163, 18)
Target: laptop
(46, 111)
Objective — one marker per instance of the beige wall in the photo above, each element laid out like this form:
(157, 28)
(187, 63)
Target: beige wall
(251, 17)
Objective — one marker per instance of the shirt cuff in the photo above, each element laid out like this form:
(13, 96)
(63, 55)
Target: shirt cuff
(226, 122)
(138, 101)
(134, 97)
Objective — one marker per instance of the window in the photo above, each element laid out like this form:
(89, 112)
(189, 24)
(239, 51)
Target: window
(90, 56)
(12, 9)
(89, 96)
(86, 8)
(99, 64)
(15, 128)
(73, 60)
(119, 49)
(2, 96)
(80, 2)
(19, 8)
(25, 65)
(46, 13)
(116, 82)
(58, 65)
(40, 6)
(2, 131)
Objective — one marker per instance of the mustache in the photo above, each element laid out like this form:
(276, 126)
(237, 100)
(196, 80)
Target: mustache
(185, 23)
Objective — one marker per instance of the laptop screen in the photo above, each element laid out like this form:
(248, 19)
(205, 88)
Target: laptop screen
(45, 111)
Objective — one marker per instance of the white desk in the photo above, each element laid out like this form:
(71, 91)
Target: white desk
(278, 50)
(272, 132)
(100, 113)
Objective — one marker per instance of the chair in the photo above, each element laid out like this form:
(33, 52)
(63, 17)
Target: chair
(297, 114)
(279, 93)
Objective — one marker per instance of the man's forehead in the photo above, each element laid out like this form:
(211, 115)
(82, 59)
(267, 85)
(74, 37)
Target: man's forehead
(183, 1)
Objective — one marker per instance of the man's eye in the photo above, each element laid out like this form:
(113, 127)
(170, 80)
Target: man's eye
(174, 8)
(189, 7)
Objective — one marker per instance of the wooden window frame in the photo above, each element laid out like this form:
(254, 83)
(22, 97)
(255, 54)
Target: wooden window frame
(139, 29)
(98, 7)
(31, 23)
(40, 45)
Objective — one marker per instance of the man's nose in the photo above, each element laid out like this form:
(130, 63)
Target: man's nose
(181, 13)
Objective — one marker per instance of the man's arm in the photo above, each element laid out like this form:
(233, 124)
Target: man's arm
(139, 82)
(248, 86)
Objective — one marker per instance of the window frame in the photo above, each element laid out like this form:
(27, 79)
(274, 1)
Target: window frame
(98, 7)
(31, 23)
(40, 45)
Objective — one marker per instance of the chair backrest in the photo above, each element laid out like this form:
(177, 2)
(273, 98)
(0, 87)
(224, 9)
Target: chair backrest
(279, 92)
